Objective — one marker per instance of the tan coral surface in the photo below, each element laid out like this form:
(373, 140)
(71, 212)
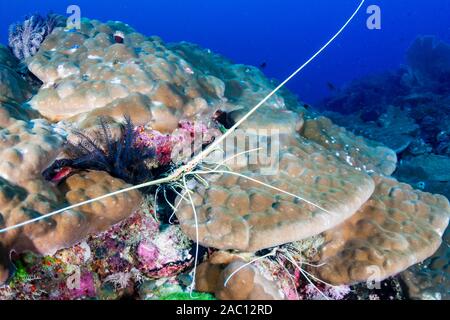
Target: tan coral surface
(397, 228)
(27, 148)
(244, 282)
(64, 230)
(358, 152)
(430, 280)
(107, 212)
(236, 213)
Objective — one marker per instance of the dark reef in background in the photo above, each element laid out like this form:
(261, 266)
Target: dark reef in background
(408, 110)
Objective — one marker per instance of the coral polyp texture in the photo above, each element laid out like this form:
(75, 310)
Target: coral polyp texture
(60, 231)
(250, 284)
(238, 213)
(395, 229)
(102, 108)
(87, 70)
(350, 148)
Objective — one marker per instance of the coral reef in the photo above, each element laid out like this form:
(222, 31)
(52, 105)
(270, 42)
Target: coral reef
(411, 114)
(88, 71)
(61, 231)
(313, 224)
(109, 265)
(411, 117)
(237, 213)
(396, 228)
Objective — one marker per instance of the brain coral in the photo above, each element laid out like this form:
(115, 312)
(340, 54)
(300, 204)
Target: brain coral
(87, 74)
(27, 147)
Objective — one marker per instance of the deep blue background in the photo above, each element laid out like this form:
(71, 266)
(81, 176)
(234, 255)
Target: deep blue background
(282, 33)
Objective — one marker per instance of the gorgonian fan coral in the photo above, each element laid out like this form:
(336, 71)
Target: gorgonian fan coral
(25, 38)
(121, 157)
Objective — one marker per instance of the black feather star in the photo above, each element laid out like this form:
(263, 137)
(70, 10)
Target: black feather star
(120, 157)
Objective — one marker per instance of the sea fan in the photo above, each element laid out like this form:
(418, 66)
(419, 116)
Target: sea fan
(120, 157)
(25, 38)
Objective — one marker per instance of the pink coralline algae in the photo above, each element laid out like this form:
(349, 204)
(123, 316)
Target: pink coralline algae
(162, 143)
(85, 287)
(105, 266)
(168, 145)
(193, 128)
(163, 255)
(148, 254)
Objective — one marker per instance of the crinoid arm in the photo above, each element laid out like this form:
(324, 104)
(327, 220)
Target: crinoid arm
(99, 150)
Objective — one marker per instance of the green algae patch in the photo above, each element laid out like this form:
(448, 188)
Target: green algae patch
(187, 296)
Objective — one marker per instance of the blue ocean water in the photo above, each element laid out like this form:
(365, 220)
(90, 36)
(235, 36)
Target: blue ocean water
(279, 34)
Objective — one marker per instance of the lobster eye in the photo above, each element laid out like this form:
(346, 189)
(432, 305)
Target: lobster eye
(119, 37)
(223, 118)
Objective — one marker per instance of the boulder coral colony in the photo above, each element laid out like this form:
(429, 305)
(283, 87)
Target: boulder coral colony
(255, 242)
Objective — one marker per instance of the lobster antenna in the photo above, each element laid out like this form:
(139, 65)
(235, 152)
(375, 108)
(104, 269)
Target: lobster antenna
(197, 159)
